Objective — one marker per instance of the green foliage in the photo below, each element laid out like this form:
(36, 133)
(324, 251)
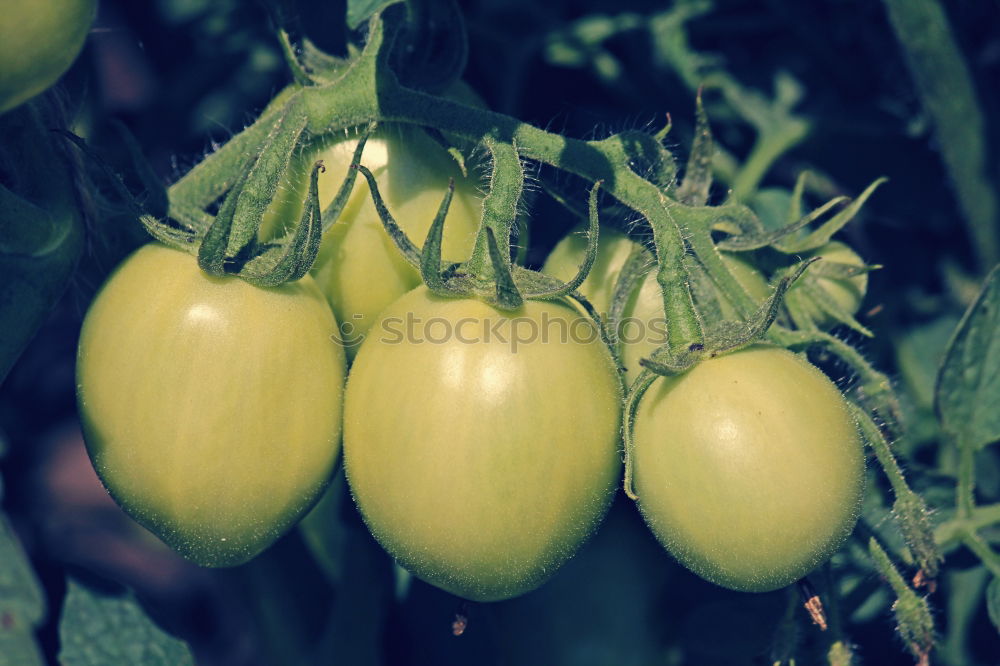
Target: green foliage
(22, 603)
(98, 629)
(947, 92)
(968, 388)
(993, 602)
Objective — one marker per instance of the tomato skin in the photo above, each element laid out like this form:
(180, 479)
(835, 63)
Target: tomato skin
(39, 40)
(643, 326)
(489, 467)
(359, 267)
(748, 468)
(211, 408)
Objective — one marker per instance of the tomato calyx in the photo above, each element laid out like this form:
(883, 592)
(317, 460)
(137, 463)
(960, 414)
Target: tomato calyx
(831, 293)
(489, 274)
(229, 243)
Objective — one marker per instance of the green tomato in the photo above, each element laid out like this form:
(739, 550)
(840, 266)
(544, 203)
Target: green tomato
(39, 40)
(613, 249)
(847, 293)
(359, 267)
(643, 327)
(497, 452)
(748, 467)
(211, 408)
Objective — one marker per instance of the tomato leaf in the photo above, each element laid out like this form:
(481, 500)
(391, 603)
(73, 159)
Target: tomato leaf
(22, 604)
(99, 629)
(968, 386)
(993, 602)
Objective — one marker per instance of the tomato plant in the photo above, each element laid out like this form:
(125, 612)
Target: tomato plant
(38, 43)
(501, 455)
(481, 466)
(211, 407)
(748, 467)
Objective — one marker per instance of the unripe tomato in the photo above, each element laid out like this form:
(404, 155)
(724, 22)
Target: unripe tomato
(643, 327)
(359, 267)
(613, 249)
(748, 467)
(211, 408)
(39, 40)
(490, 460)
(847, 292)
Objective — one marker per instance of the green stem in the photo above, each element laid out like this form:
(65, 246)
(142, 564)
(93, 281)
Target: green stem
(951, 531)
(499, 206)
(684, 329)
(699, 235)
(983, 516)
(965, 500)
(882, 452)
(766, 151)
(982, 550)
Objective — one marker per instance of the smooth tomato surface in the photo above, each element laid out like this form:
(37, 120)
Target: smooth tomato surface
(359, 267)
(748, 468)
(479, 466)
(211, 408)
(39, 40)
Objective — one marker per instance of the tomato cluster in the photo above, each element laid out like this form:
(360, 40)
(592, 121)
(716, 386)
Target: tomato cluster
(482, 445)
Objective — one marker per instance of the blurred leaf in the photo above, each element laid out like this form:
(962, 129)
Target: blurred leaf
(355, 625)
(919, 352)
(22, 605)
(41, 225)
(948, 93)
(964, 590)
(993, 601)
(359, 11)
(968, 387)
(98, 629)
